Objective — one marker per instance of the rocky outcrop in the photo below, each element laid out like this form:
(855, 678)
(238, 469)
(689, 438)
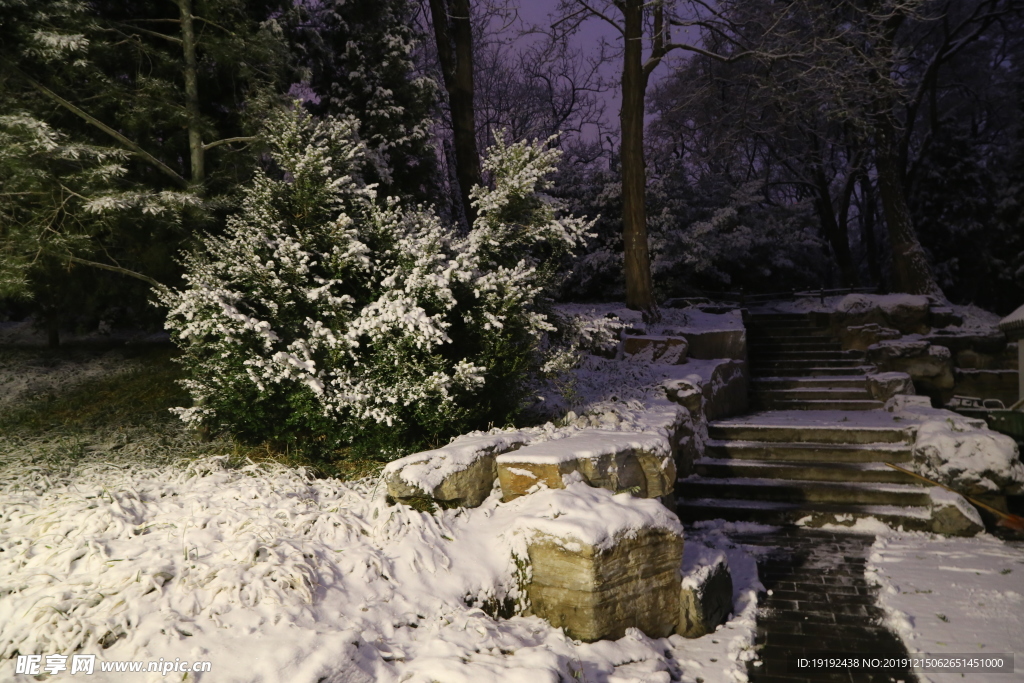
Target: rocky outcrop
(967, 456)
(657, 349)
(730, 344)
(929, 366)
(460, 474)
(728, 391)
(638, 463)
(705, 600)
(909, 314)
(596, 580)
(952, 515)
(884, 385)
(860, 337)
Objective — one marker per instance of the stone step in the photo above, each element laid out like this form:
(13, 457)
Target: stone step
(786, 373)
(796, 346)
(787, 434)
(806, 471)
(827, 405)
(824, 392)
(770, 317)
(809, 452)
(784, 383)
(797, 363)
(788, 354)
(911, 518)
(798, 491)
(787, 332)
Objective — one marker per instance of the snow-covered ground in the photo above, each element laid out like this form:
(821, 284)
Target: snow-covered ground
(949, 596)
(272, 576)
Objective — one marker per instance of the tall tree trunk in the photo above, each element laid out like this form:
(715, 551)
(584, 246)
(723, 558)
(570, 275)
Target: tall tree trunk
(195, 138)
(867, 210)
(454, 35)
(910, 270)
(639, 288)
(835, 231)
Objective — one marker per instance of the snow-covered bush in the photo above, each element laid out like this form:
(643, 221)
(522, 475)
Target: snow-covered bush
(325, 316)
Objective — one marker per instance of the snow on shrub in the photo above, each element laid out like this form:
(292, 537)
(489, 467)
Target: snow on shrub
(324, 313)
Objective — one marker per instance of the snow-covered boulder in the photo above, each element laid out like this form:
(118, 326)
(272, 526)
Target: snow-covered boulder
(929, 366)
(860, 337)
(459, 474)
(637, 462)
(599, 564)
(705, 600)
(969, 457)
(907, 313)
(884, 385)
(655, 349)
(952, 515)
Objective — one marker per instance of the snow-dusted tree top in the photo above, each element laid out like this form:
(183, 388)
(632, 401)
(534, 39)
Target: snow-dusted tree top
(323, 304)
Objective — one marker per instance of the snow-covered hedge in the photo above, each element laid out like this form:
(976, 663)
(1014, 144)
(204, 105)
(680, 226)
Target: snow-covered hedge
(325, 313)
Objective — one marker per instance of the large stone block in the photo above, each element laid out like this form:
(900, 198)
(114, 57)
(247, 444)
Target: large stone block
(885, 385)
(657, 349)
(860, 337)
(727, 392)
(459, 474)
(705, 600)
(907, 313)
(931, 367)
(952, 515)
(718, 344)
(636, 462)
(596, 592)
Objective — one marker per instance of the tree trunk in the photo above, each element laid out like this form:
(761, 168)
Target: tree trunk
(454, 35)
(835, 231)
(867, 211)
(910, 270)
(195, 137)
(639, 288)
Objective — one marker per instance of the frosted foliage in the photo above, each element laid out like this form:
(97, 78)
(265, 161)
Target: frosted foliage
(740, 236)
(341, 310)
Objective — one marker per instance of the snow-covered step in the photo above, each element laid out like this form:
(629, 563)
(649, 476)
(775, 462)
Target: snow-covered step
(835, 453)
(824, 393)
(838, 404)
(797, 363)
(911, 518)
(780, 383)
(799, 344)
(808, 331)
(788, 353)
(816, 371)
(860, 472)
(801, 433)
(782, 490)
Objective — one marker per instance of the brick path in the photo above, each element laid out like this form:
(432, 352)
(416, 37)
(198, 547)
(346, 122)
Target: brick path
(819, 602)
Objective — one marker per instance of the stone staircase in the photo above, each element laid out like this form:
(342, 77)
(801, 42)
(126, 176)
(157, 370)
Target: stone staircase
(796, 365)
(817, 452)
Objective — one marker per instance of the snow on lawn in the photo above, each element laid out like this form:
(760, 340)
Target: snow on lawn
(952, 595)
(272, 576)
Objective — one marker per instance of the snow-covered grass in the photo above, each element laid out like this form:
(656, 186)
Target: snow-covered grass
(952, 596)
(123, 536)
(274, 576)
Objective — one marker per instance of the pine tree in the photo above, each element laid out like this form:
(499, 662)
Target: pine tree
(359, 57)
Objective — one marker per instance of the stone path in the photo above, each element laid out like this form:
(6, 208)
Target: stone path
(818, 602)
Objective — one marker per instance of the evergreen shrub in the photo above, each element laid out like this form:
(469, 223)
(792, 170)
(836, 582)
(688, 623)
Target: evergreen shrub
(327, 317)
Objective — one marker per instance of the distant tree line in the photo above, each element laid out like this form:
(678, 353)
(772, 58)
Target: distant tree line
(757, 145)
